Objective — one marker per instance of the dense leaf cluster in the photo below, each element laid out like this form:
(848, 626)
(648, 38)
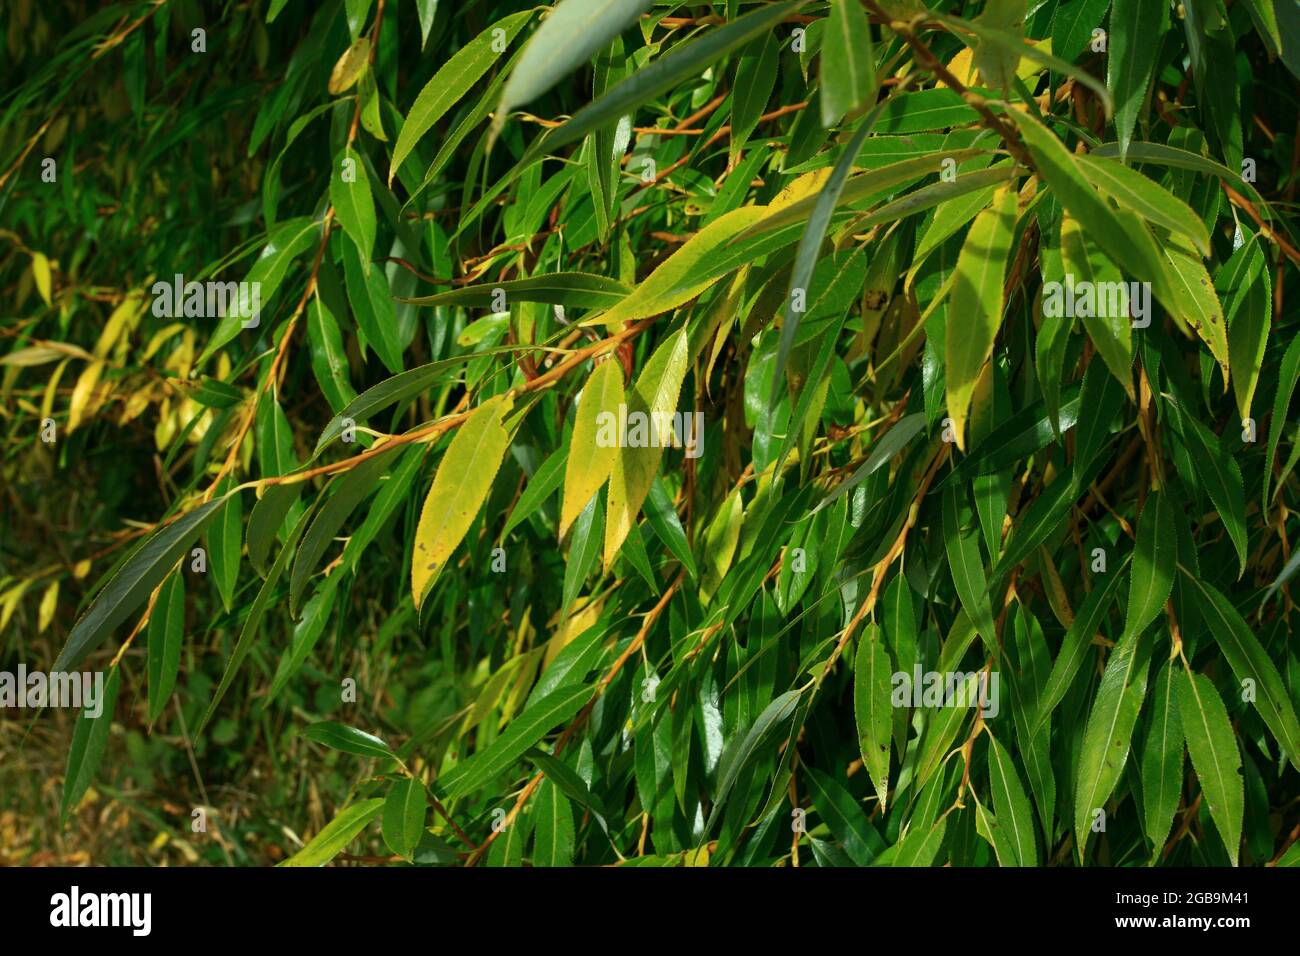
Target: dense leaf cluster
(801, 433)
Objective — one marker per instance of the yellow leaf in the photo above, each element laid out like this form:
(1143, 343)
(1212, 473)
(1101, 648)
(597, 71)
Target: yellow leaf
(123, 319)
(82, 393)
(41, 273)
(49, 601)
(590, 461)
(653, 396)
(676, 280)
(81, 568)
(350, 66)
(459, 489)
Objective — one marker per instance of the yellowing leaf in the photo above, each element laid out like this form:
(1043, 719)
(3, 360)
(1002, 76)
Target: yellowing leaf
(350, 66)
(654, 396)
(49, 601)
(459, 489)
(677, 279)
(41, 273)
(720, 544)
(82, 392)
(1195, 301)
(975, 303)
(591, 460)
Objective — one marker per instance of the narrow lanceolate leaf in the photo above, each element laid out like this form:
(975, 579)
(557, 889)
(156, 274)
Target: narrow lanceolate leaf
(553, 832)
(566, 39)
(525, 730)
(570, 289)
(1287, 378)
(1194, 298)
(225, 542)
(404, 811)
(1249, 662)
(353, 205)
(1147, 198)
(1134, 42)
(1162, 759)
(805, 259)
(654, 400)
(592, 450)
(872, 685)
(683, 275)
(337, 834)
(961, 541)
(89, 740)
(1011, 804)
(1213, 749)
(165, 636)
(134, 582)
(347, 739)
(1124, 238)
(1077, 644)
(1109, 731)
(1108, 319)
(975, 303)
(452, 81)
(848, 62)
(1221, 477)
(1154, 558)
(459, 489)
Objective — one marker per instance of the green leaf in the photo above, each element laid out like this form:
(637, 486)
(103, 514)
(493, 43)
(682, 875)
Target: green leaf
(1093, 271)
(337, 834)
(977, 295)
(741, 749)
(584, 551)
(1162, 760)
(553, 834)
(372, 304)
(1147, 198)
(1120, 234)
(961, 542)
(165, 635)
(452, 81)
(1154, 558)
(1221, 478)
(1194, 299)
(557, 707)
(845, 817)
(252, 622)
(1109, 731)
(225, 541)
(569, 289)
(1011, 804)
(348, 739)
(404, 811)
(134, 581)
(1213, 749)
(1249, 662)
(353, 205)
(1076, 644)
(1286, 382)
(848, 62)
(459, 488)
(89, 741)
(350, 489)
(1130, 59)
(872, 683)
